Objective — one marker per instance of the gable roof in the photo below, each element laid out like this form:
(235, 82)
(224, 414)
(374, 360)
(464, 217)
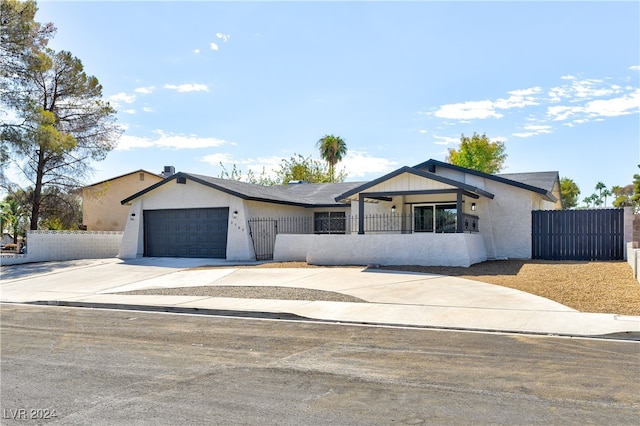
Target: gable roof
(121, 176)
(539, 182)
(416, 172)
(334, 194)
(302, 194)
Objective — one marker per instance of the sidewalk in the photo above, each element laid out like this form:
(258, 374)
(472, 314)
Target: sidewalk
(395, 298)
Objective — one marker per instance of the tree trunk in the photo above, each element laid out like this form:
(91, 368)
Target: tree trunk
(37, 192)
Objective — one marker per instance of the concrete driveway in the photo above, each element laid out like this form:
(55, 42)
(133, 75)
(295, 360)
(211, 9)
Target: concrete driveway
(395, 298)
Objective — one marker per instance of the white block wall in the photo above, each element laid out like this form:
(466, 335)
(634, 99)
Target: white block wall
(427, 249)
(44, 246)
(633, 258)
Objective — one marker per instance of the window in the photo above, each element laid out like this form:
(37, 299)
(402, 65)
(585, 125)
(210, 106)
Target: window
(141, 177)
(441, 218)
(329, 223)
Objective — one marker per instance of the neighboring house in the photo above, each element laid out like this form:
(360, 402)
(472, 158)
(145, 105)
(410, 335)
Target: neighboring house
(101, 208)
(6, 238)
(430, 214)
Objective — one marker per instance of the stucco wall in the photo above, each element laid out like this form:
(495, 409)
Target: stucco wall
(508, 219)
(190, 195)
(387, 249)
(101, 208)
(44, 246)
(633, 258)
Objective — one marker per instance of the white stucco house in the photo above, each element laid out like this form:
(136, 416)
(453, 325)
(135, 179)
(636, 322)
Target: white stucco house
(433, 213)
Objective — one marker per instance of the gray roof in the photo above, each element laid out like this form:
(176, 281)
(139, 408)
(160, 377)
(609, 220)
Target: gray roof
(542, 184)
(307, 194)
(300, 194)
(327, 194)
(544, 180)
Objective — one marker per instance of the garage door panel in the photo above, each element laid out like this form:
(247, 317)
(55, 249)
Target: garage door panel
(186, 232)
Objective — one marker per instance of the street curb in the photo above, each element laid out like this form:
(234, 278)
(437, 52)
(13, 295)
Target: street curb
(627, 336)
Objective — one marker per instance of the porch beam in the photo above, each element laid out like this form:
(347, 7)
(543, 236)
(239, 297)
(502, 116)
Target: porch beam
(420, 192)
(361, 215)
(459, 215)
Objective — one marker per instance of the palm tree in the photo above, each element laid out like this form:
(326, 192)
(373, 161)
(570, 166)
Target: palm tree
(606, 193)
(332, 150)
(599, 187)
(587, 201)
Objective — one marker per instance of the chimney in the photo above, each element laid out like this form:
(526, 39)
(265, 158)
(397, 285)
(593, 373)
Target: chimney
(168, 171)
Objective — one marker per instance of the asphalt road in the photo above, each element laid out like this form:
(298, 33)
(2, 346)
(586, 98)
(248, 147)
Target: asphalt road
(116, 367)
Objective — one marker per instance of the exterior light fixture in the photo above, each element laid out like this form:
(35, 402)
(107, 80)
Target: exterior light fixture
(473, 207)
(235, 214)
(393, 209)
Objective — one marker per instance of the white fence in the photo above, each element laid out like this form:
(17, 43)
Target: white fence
(633, 258)
(44, 246)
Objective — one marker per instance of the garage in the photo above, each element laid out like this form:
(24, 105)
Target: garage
(198, 232)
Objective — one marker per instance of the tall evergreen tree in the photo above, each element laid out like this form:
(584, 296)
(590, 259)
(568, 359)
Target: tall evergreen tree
(61, 123)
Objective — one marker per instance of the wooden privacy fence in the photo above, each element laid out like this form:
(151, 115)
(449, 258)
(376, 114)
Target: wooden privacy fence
(577, 234)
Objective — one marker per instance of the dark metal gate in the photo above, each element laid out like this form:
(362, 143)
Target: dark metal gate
(577, 234)
(263, 234)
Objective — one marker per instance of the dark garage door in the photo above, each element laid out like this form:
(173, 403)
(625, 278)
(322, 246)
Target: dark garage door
(186, 233)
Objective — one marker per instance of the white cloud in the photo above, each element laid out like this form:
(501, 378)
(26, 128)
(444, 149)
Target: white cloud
(122, 98)
(580, 90)
(526, 92)
(635, 68)
(126, 142)
(614, 107)
(423, 131)
(213, 46)
(257, 166)
(178, 141)
(559, 113)
(196, 51)
(224, 37)
(360, 164)
(515, 101)
(129, 111)
(145, 90)
(147, 109)
(524, 134)
(268, 165)
(446, 140)
(168, 140)
(187, 87)
(488, 109)
(216, 159)
(533, 130)
(468, 110)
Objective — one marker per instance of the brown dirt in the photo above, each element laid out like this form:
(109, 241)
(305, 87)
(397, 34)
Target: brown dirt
(603, 287)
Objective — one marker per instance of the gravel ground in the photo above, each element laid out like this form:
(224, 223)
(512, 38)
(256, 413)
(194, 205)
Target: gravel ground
(603, 287)
(255, 292)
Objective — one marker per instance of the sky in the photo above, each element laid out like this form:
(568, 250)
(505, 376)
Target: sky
(249, 84)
